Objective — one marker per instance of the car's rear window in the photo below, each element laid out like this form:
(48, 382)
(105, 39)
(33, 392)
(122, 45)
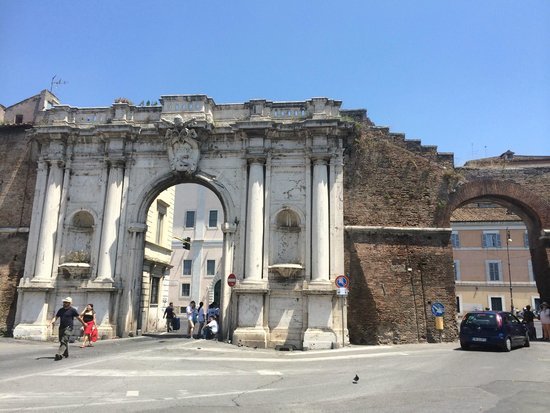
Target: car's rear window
(481, 319)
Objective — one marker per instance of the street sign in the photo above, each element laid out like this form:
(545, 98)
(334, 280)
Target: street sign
(342, 292)
(231, 280)
(342, 281)
(438, 309)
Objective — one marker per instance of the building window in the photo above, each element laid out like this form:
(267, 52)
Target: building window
(210, 267)
(155, 281)
(18, 119)
(185, 291)
(187, 264)
(491, 239)
(496, 303)
(213, 219)
(526, 239)
(190, 219)
(161, 214)
(494, 270)
(456, 266)
(455, 240)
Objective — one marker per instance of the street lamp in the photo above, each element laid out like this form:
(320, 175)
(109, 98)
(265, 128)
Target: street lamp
(508, 241)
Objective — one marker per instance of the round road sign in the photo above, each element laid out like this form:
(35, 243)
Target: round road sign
(438, 309)
(342, 281)
(231, 280)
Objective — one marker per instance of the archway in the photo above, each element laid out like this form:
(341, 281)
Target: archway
(195, 259)
(522, 202)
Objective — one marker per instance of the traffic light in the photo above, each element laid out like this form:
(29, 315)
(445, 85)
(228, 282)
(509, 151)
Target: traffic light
(187, 243)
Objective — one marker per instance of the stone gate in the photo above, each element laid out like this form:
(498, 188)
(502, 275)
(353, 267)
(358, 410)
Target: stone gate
(277, 168)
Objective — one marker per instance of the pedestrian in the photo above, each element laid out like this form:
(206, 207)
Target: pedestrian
(529, 320)
(169, 315)
(200, 319)
(210, 330)
(190, 311)
(66, 314)
(88, 315)
(545, 320)
(213, 310)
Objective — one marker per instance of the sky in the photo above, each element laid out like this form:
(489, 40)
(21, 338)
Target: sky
(470, 76)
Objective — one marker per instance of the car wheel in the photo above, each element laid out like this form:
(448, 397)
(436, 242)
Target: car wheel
(507, 344)
(464, 346)
(526, 343)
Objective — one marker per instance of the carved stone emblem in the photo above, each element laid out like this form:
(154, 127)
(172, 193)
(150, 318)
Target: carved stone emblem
(183, 149)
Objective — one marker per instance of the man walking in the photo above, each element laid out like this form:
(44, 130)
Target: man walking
(529, 320)
(66, 314)
(169, 315)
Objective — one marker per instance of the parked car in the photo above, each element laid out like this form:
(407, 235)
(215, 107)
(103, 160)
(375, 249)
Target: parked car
(493, 329)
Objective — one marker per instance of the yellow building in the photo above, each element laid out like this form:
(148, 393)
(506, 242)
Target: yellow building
(492, 261)
(156, 263)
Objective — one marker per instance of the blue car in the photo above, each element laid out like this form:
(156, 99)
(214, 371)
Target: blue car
(499, 329)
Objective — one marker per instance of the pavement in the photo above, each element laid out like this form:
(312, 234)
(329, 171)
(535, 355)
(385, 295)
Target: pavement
(168, 373)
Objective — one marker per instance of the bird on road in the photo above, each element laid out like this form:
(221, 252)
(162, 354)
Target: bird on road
(355, 379)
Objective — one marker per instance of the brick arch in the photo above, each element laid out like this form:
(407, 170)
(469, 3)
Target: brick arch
(525, 203)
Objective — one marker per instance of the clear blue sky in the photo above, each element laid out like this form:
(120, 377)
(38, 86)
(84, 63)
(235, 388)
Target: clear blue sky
(470, 76)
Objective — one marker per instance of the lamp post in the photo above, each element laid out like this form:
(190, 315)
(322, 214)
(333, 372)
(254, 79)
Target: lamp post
(508, 240)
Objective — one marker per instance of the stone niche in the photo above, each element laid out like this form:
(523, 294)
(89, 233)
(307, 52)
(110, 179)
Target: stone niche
(75, 262)
(287, 253)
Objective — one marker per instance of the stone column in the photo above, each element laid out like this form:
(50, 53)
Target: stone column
(48, 227)
(320, 259)
(111, 218)
(34, 231)
(255, 222)
(250, 294)
(320, 292)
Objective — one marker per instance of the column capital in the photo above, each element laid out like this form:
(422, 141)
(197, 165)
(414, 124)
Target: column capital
(115, 161)
(256, 159)
(320, 159)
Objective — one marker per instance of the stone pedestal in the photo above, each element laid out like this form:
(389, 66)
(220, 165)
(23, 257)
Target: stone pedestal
(251, 330)
(33, 312)
(320, 333)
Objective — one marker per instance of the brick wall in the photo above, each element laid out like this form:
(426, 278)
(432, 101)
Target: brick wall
(396, 275)
(400, 268)
(17, 182)
(397, 193)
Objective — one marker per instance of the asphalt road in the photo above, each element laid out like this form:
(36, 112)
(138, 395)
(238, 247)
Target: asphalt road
(173, 374)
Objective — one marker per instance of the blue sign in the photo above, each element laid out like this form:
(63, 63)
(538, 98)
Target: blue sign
(342, 281)
(438, 309)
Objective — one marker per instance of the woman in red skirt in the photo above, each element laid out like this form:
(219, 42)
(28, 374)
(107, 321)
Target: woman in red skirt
(88, 315)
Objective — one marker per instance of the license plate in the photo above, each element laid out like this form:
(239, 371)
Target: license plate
(480, 339)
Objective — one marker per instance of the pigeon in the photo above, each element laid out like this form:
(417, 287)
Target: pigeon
(355, 379)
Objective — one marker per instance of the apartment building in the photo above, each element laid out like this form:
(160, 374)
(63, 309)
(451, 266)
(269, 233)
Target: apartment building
(492, 262)
(196, 272)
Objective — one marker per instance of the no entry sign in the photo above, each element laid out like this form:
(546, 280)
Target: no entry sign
(231, 280)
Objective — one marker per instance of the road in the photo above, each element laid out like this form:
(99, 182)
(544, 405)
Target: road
(170, 374)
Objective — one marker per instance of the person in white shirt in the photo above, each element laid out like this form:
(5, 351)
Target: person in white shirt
(545, 320)
(210, 330)
(190, 311)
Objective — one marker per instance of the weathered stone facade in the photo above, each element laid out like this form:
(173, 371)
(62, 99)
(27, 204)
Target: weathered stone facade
(277, 169)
